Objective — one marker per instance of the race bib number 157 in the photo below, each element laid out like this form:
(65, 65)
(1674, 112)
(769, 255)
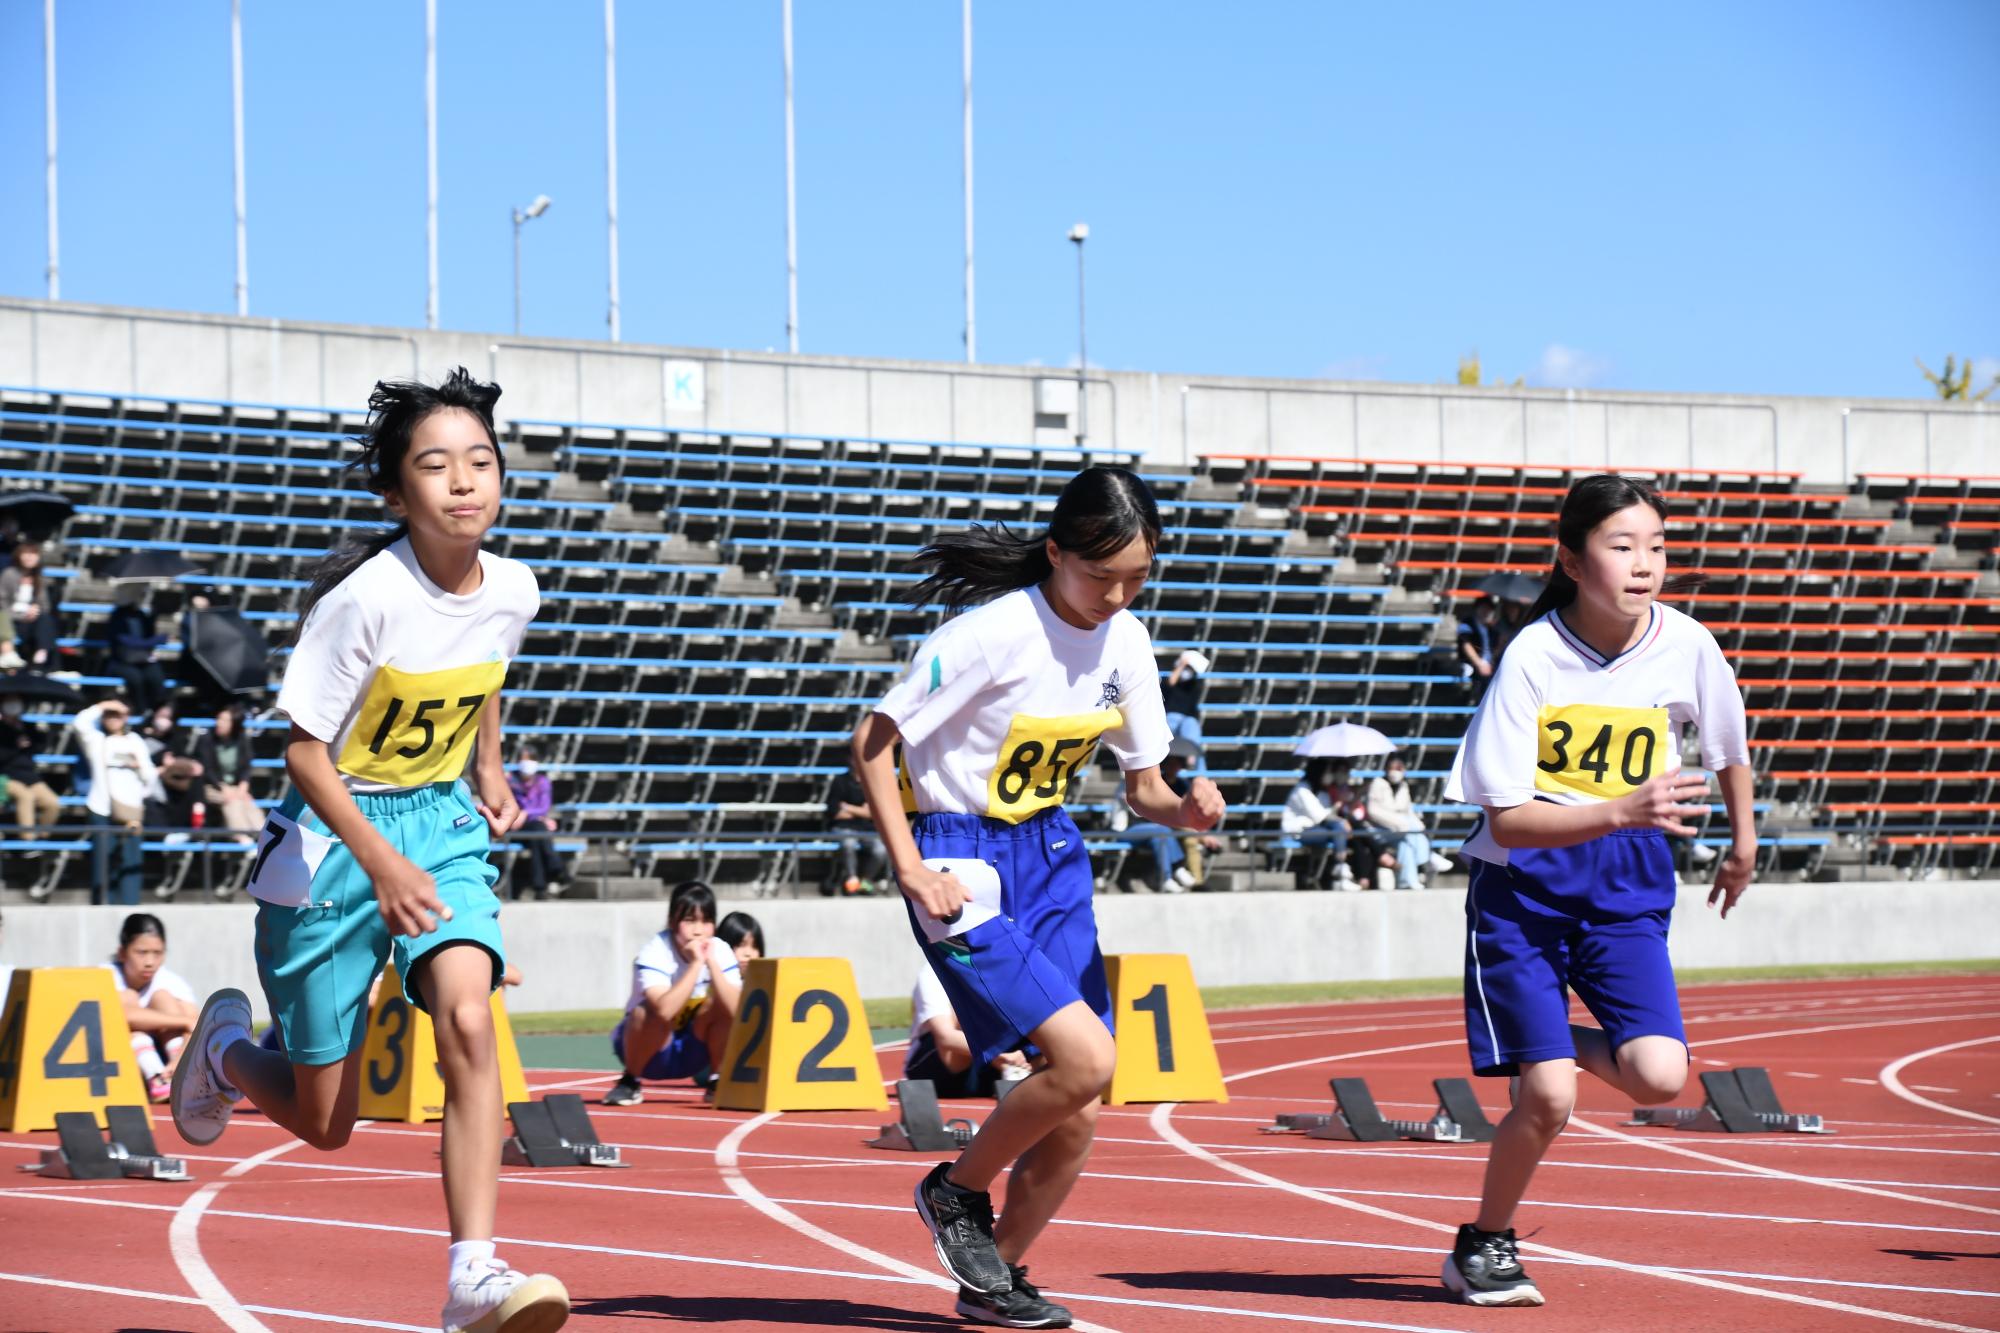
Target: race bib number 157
(417, 727)
(1603, 752)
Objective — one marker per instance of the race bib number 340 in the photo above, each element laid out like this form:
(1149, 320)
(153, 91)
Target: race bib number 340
(1602, 752)
(1040, 758)
(417, 727)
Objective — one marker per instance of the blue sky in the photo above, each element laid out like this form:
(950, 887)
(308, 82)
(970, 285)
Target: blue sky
(1766, 197)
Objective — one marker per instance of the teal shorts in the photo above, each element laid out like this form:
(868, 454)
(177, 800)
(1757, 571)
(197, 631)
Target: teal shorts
(318, 961)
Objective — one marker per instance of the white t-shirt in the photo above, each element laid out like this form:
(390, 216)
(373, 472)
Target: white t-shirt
(166, 979)
(927, 1000)
(1005, 705)
(1564, 723)
(393, 672)
(121, 766)
(660, 964)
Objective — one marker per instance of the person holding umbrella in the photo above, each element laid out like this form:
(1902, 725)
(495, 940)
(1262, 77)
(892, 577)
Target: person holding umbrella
(133, 640)
(27, 612)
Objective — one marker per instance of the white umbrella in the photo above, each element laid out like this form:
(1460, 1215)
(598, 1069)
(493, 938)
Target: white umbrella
(1344, 740)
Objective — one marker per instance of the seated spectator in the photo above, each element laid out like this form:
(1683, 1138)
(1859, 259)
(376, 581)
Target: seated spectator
(160, 1006)
(224, 755)
(547, 877)
(1391, 809)
(1312, 816)
(1182, 697)
(861, 848)
(744, 936)
(1179, 860)
(27, 612)
(132, 642)
(1479, 645)
(175, 800)
(685, 986)
(121, 772)
(939, 1053)
(33, 801)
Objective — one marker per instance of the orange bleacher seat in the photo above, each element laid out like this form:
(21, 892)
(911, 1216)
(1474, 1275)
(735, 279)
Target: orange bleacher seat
(1791, 599)
(1938, 839)
(1815, 743)
(1826, 683)
(1517, 516)
(1853, 655)
(1909, 807)
(1476, 488)
(1884, 774)
(1565, 469)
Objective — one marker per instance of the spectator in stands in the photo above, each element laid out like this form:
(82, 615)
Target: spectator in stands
(121, 771)
(132, 642)
(174, 802)
(939, 1052)
(1479, 645)
(1391, 809)
(546, 874)
(1312, 817)
(1182, 697)
(27, 612)
(160, 1006)
(1513, 619)
(33, 801)
(225, 755)
(685, 985)
(1179, 860)
(744, 935)
(861, 847)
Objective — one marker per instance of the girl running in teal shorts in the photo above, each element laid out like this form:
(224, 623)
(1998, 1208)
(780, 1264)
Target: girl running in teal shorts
(381, 848)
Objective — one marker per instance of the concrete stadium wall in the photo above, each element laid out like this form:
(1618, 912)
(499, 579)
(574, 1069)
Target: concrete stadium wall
(1169, 417)
(578, 955)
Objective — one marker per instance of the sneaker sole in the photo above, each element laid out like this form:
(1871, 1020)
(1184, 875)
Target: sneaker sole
(944, 1260)
(979, 1314)
(539, 1305)
(1455, 1283)
(197, 1044)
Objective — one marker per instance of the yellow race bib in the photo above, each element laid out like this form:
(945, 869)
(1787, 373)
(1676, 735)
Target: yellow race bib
(416, 728)
(1602, 752)
(1040, 758)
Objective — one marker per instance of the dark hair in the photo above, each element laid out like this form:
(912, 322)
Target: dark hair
(140, 923)
(395, 410)
(1589, 502)
(1320, 771)
(737, 927)
(1100, 512)
(690, 898)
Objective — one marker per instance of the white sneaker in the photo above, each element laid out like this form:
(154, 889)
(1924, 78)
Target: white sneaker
(1183, 878)
(1701, 855)
(1440, 865)
(500, 1300)
(201, 1103)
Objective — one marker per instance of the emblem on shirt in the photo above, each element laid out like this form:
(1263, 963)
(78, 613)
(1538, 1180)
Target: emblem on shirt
(1109, 697)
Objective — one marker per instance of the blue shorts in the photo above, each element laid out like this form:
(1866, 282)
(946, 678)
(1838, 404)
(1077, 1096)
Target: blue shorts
(684, 1055)
(317, 962)
(1591, 919)
(1007, 976)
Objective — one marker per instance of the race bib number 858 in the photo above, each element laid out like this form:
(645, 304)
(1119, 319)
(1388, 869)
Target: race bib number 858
(416, 727)
(1602, 752)
(1040, 758)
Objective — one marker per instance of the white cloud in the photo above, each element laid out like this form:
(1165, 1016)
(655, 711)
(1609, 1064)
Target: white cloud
(1563, 367)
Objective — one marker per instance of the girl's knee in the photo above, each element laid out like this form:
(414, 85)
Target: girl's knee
(470, 1023)
(1545, 1105)
(1655, 1081)
(330, 1136)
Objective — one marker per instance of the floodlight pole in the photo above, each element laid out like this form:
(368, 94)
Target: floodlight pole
(971, 329)
(431, 168)
(236, 99)
(791, 199)
(1079, 234)
(611, 152)
(49, 125)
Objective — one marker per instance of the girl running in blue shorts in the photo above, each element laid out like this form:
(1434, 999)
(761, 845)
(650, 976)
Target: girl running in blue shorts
(381, 849)
(1002, 708)
(1574, 757)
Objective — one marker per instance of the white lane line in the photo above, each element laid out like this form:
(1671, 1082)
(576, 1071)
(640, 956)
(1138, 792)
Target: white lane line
(184, 1241)
(1163, 1124)
(1705, 1042)
(276, 1311)
(1892, 1080)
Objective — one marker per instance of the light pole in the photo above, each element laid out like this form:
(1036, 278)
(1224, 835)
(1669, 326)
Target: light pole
(1079, 234)
(521, 215)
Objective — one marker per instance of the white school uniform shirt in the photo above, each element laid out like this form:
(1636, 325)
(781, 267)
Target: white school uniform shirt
(393, 672)
(1564, 723)
(1006, 704)
(121, 766)
(660, 964)
(927, 1000)
(166, 979)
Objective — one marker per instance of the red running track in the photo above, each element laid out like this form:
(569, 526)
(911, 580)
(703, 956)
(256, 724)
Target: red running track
(1189, 1219)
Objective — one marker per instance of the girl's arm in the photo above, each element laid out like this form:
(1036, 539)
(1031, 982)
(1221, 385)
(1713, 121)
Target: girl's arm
(405, 895)
(1151, 798)
(674, 998)
(941, 895)
(489, 776)
(1732, 876)
(1662, 803)
(725, 988)
(952, 1047)
(141, 1019)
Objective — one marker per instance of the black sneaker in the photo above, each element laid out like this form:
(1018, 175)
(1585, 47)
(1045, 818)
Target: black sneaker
(1485, 1270)
(625, 1092)
(1023, 1307)
(961, 1223)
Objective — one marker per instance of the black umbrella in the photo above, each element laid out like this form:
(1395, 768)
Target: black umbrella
(1510, 587)
(37, 688)
(135, 566)
(38, 512)
(229, 650)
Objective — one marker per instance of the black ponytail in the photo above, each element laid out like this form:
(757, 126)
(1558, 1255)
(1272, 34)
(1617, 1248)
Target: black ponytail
(395, 410)
(1101, 511)
(140, 923)
(1589, 502)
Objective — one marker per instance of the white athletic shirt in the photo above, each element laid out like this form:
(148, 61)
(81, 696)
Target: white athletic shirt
(166, 979)
(1005, 705)
(660, 964)
(393, 672)
(1565, 723)
(927, 1000)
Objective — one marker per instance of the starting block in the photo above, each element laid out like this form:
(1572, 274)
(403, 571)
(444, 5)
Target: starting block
(128, 1153)
(555, 1131)
(920, 1125)
(1736, 1101)
(1356, 1118)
